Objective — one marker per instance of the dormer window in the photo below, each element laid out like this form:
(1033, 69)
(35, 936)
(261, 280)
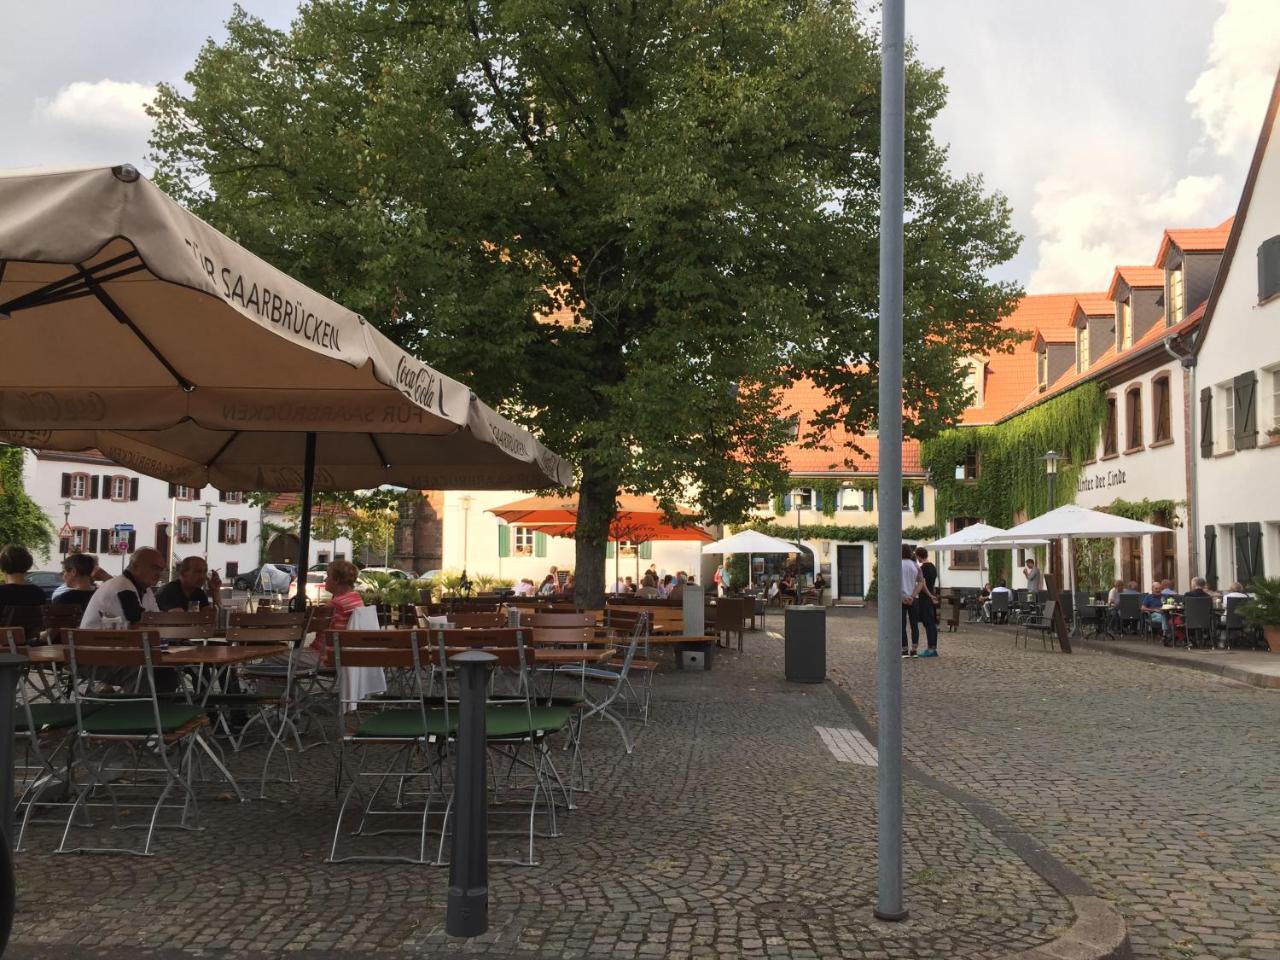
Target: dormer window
(1124, 334)
(1082, 348)
(1177, 311)
(1042, 369)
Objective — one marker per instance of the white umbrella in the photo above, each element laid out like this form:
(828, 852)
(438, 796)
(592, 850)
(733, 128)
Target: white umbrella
(1078, 523)
(977, 536)
(749, 542)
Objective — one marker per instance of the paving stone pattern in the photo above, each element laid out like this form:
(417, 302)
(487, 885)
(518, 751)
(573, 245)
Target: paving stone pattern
(1159, 785)
(732, 831)
(848, 745)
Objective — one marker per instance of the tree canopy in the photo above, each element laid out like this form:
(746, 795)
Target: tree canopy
(630, 223)
(21, 519)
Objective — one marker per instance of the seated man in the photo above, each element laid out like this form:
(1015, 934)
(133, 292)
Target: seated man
(77, 581)
(119, 604)
(1153, 611)
(1199, 588)
(986, 607)
(188, 589)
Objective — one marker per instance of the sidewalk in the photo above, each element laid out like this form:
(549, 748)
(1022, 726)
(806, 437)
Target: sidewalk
(1254, 667)
(733, 831)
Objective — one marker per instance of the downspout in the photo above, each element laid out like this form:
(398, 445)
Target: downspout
(1188, 361)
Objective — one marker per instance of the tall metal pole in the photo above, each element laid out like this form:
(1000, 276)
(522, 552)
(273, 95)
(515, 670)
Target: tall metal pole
(889, 905)
(304, 528)
(467, 910)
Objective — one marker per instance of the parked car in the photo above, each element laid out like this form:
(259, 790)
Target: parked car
(315, 590)
(46, 580)
(268, 578)
(389, 571)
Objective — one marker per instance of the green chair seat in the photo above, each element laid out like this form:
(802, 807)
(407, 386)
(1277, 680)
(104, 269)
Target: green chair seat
(138, 718)
(405, 725)
(564, 700)
(513, 720)
(46, 716)
(232, 699)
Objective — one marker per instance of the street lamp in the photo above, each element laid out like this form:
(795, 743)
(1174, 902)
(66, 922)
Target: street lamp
(208, 512)
(466, 524)
(1051, 471)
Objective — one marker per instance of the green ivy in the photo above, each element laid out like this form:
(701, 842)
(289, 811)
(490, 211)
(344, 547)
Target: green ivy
(778, 509)
(1011, 470)
(834, 531)
(1143, 510)
(21, 519)
(829, 489)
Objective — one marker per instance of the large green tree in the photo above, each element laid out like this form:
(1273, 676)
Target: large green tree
(689, 186)
(21, 519)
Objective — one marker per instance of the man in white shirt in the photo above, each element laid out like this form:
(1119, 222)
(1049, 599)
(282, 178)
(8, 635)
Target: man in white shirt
(125, 597)
(912, 582)
(986, 607)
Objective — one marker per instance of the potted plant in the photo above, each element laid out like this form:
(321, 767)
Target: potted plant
(1273, 436)
(1264, 610)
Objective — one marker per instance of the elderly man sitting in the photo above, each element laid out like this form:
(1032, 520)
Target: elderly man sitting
(189, 587)
(119, 604)
(1153, 611)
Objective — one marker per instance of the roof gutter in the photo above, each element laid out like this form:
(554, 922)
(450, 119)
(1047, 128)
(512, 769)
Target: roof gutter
(1188, 361)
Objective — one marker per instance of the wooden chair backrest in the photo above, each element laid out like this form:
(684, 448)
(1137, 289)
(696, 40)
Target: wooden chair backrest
(558, 620)
(179, 618)
(243, 636)
(378, 648)
(463, 619)
(29, 617)
(57, 615)
(273, 618)
(550, 636)
(14, 638)
(477, 639)
(111, 648)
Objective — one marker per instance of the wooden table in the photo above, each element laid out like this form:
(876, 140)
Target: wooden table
(560, 656)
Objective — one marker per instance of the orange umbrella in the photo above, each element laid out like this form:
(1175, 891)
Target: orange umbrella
(638, 532)
(564, 509)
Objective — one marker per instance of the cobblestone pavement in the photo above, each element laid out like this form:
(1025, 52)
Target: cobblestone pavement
(1159, 785)
(732, 831)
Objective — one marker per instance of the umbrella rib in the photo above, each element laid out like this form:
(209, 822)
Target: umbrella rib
(222, 449)
(114, 309)
(58, 290)
(382, 457)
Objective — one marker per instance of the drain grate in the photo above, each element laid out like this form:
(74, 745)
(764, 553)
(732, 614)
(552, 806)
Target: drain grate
(785, 910)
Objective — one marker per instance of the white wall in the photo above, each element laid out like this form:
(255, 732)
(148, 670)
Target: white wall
(1241, 487)
(43, 479)
(469, 535)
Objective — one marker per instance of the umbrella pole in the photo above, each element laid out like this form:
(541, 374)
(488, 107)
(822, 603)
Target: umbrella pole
(304, 532)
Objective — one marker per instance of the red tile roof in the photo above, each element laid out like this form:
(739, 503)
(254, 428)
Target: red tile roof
(1093, 305)
(1199, 240)
(1136, 277)
(1009, 377)
(863, 452)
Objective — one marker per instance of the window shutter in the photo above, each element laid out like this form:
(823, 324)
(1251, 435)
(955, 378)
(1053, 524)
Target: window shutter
(610, 550)
(1255, 551)
(539, 543)
(173, 490)
(106, 486)
(817, 499)
(93, 541)
(222, 531)
(1268, 268)
(197, 531)
(917, 500)
(786, 502)
(1206, 422)
(93, 487)
(133, 539)
(133, 489)
(1211, 556)
(66, 484)
(868, 500)
(105, 540)
(1244, 556)
(222, 496)
(1246, 410)
(504, 540)
(646, 550)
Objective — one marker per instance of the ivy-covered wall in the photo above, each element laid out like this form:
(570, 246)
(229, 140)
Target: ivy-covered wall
(1011, 469)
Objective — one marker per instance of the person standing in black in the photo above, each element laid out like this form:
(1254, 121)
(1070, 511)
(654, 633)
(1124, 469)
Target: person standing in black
(927, 601)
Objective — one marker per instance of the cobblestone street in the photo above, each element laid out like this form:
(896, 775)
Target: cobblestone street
(1158, 785)
(732, 831)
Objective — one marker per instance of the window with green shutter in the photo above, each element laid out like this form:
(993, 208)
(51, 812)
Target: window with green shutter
(610, 549)
(504, 540)
(646, 550)
(868, 500)
(539, 543)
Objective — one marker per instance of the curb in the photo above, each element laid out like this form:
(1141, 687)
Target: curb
(1224, 670)
(1098, 932)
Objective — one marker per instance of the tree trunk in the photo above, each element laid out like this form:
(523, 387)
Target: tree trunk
(597, 503)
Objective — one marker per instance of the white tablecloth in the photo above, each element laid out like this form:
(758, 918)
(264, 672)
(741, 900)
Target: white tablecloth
(358, 683)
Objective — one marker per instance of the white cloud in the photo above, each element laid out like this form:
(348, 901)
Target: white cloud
(1230, 95)
(109, 106)
(1087, 225)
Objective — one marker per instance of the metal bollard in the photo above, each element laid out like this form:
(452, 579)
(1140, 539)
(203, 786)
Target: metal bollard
(11, 668)
(468, 909)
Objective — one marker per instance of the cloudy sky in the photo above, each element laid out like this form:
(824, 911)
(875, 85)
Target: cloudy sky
(1102, 121)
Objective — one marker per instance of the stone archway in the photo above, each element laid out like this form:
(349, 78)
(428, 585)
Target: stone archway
(283, 548)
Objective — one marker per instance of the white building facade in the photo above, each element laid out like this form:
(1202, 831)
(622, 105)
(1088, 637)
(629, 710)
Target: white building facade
(1237, 463)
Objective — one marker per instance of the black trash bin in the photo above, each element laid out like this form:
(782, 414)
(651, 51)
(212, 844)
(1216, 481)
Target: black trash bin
(806, 644)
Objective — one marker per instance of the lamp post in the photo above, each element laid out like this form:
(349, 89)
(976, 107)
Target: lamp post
(208, 512)
(466, 524)
(1051, 471)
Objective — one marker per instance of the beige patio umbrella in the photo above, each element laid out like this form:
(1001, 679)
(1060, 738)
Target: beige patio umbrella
(132, 327)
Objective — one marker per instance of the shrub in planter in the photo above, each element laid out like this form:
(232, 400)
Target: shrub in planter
(1264, 609)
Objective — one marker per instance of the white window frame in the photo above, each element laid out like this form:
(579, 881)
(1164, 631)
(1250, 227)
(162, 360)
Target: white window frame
(850, 498)
(1082, 348)
(802, 498)
(1177, 296)
(522, 541)
(186, 529)
(183, 493)
(1126, 323)
(232, 532)
(1042, 368)
(79, 540)
(1272, 376)
(627, 549)
(1225, 398)
(123, 483)
(234, 496)
(80, 480)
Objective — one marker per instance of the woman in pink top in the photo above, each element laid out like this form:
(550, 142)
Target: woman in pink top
(340, 582)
